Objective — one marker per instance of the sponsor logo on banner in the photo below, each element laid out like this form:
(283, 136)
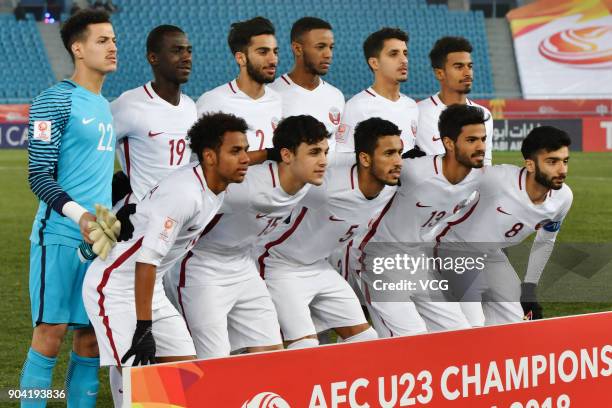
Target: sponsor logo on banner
(532, 364)
(13, 136)
(508, 134)
(597, 134)
(589, 47)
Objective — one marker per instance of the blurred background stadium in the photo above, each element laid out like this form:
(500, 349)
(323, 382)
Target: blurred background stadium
(535, 62)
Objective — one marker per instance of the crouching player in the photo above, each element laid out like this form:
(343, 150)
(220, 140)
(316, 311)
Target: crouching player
(124, 297)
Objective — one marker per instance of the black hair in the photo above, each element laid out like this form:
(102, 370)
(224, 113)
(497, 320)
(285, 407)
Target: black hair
(294, 130)
(240, 33)
(375, 42)
(208, 131)
(367, 133)
(156, 36)
(445, 46)
(548, 138)
(458, 115)
(306, 24)
(75, 27)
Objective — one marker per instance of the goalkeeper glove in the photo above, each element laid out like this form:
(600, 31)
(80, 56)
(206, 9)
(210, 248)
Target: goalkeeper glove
(529, 301)
(143, 344)
(413, 153)
(273, 154)
(120, 187)
(127, 228)
(104, 231)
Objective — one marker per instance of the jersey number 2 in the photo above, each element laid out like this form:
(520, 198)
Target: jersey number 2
(103, 131)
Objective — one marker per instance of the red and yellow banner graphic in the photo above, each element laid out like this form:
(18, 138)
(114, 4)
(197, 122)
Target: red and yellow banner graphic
(555, 363)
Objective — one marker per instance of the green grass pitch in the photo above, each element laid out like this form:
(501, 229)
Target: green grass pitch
(590, 220)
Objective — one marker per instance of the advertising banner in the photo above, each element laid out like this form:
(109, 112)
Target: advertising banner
(554, 363)
(508, 134)
(13, 135)
(564, 48)
(14, 113)
(547, 108)
(597, 134)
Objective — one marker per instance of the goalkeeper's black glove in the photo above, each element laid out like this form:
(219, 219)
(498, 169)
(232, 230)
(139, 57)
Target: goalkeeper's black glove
(120, 187)
(143, 345)
(273, 154)
(529, 301)
(127, 228)
(413, 153)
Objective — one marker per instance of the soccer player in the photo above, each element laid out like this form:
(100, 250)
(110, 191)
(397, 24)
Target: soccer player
(303, 90)
(255, 50)
(124, 296)
(223, 299)
(430, 189)
(70, 147)
(294, 261)
(151, 121)
(451, 62)
(514, 203)
(386, 53)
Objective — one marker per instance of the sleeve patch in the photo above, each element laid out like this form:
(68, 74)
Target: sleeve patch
(553, 226)
(343, 130)
(42, 130)
(168, 229)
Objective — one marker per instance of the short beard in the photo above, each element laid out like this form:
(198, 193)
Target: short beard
(256, 75)
(543, 180)
(465, 161)
(311, 68)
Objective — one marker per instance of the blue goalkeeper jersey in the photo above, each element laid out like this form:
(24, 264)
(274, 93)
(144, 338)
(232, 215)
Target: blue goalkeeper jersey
(71, 147)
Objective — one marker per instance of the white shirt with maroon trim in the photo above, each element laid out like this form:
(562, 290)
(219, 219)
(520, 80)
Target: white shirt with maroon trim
(262, 114)
(504, 215)
(167, 224)
(151, 136)
(428, 137)
(329, 216)
(251, 211)
(404, 113)
(325, 103)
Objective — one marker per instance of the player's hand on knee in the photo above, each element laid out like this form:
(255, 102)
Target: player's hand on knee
(529, 301)
(127, 228)
(143, 345)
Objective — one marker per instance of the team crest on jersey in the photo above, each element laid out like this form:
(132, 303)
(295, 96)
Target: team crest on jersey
(42, 130)
(549, 225)
(274, 122)
(341, 133)
(334, 115)
(413, 127)
(169, 226)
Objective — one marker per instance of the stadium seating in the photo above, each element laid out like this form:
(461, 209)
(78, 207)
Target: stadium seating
(23, 60)
(207, 22)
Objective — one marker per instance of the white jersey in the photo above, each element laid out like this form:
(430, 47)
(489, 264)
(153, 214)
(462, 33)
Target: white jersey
(251, 211)
(404, 113)
(262, 114)
(151, 136)
(424, 198)
(504, 215)
(428, 137)
(167, 224)
(329, 216)
(325, 103)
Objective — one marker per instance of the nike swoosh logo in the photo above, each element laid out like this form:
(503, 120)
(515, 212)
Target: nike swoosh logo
(418, 204)
(502, 211)
(91, 394)
(88, 121)
(260, 215)
(332, 218)
(435, 139)
(153, 134)
(194, 228)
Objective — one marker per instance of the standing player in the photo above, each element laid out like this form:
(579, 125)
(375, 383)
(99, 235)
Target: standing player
(124, 295)
(430, 189)
(386, 53)
(514, 202)
(255, 50)
(303, 90)
(225, 302)
(70, 147)
(451, 62)
(151, 121)
(294, 263)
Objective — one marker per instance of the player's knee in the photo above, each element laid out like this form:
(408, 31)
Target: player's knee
(306, 342)
(368, 334)
(84, 343)
(47, 338)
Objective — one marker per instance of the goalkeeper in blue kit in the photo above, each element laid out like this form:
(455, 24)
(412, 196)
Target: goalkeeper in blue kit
(71, 147)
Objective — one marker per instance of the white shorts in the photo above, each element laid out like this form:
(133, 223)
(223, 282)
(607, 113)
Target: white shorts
(223, 318)
(321, 294)
(115, 333)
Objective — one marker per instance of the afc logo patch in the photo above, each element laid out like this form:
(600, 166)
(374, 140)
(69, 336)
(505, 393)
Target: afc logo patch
(334, 115)
(413, 127)
(169, 227)
(42, 130)
(342, 132)
(549, 225)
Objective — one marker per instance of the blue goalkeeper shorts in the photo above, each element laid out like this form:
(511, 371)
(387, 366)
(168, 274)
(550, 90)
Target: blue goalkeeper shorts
(56, 282)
